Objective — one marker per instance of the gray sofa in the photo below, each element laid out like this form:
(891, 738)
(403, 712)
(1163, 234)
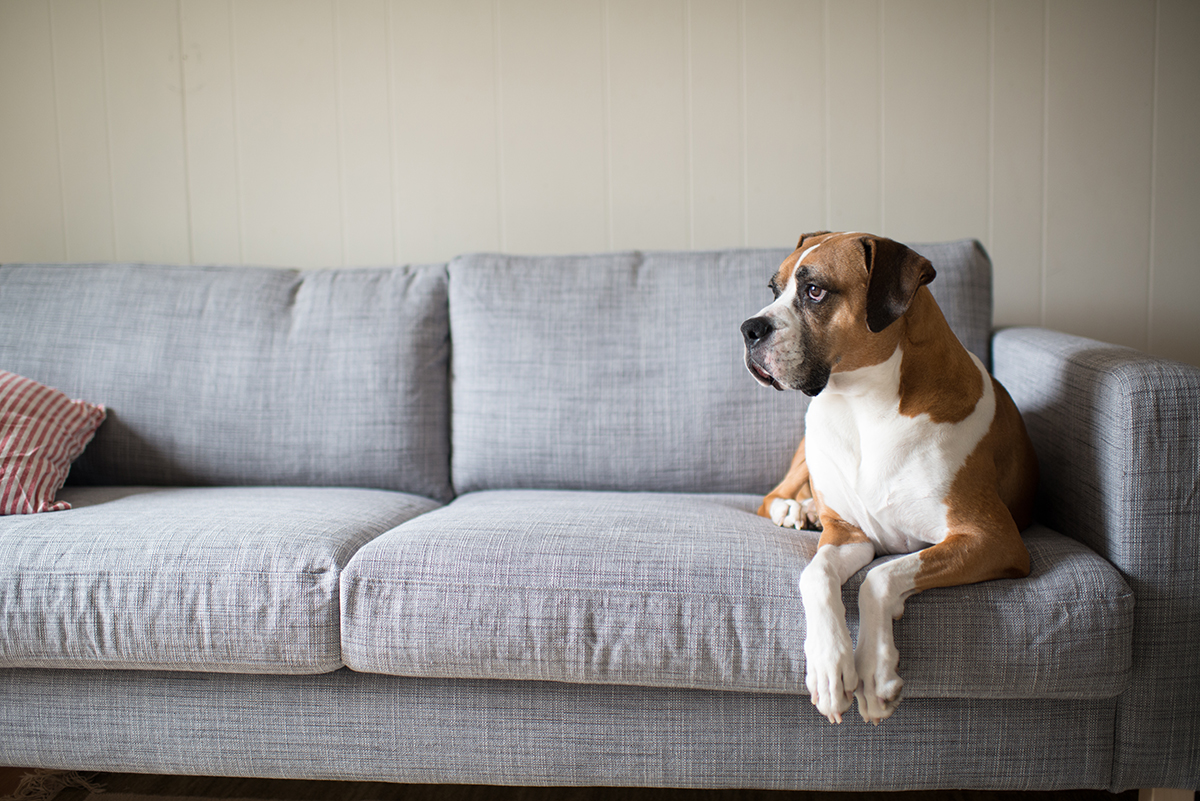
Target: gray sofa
(493, 522)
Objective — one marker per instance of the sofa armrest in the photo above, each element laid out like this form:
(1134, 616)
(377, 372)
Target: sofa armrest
(1118, 437)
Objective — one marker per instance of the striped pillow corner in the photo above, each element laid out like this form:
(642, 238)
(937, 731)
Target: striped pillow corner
(42, 432)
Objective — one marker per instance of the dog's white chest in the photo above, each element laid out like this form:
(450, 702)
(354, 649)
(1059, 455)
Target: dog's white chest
(884, 472)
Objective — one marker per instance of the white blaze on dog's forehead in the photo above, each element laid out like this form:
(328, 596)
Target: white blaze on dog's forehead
(810, 250)
(804, 255)
(791, 279)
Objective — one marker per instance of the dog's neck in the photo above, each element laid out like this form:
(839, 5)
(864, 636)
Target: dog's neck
(912, 381)
(933, 360)
(873, 384)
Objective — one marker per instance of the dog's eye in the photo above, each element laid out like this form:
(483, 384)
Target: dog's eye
(775, 290)
(815, 293)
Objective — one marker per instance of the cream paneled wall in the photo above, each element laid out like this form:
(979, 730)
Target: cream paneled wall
(1061, 133)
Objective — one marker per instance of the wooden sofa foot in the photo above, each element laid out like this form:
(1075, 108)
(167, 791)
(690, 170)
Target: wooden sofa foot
(1165, 794)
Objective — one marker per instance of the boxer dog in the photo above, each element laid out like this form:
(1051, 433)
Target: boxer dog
(910, 448)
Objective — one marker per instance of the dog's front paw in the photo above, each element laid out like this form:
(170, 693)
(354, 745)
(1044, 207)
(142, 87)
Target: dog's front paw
(879, 692)
(785, 512)
(795, 514)
(831, 677)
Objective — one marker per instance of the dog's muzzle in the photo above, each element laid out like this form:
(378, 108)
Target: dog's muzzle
(757, 332)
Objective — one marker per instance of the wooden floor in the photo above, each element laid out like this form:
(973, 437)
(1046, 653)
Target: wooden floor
(8, 780)
(152, 786)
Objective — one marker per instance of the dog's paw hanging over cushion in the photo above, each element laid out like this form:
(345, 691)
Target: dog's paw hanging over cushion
(42, 432)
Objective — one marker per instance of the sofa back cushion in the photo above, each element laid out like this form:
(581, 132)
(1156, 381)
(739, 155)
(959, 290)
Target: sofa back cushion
(243, 376)
(625, 371)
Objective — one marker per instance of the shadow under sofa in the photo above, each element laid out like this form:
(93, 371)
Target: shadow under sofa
(493, 522)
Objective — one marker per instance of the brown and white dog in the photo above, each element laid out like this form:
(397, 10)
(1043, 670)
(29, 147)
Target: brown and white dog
(910, 447)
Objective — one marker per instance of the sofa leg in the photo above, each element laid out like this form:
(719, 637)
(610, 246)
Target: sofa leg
(1164, 794)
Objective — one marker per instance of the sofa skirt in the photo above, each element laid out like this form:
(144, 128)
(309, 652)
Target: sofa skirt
(358, 726)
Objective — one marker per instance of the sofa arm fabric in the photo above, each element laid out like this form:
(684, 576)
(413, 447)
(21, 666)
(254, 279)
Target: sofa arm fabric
(1118, 437)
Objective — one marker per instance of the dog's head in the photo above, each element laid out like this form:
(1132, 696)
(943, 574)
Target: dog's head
(837, 297)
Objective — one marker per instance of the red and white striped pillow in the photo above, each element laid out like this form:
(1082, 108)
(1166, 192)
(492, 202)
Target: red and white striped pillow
(42, 432)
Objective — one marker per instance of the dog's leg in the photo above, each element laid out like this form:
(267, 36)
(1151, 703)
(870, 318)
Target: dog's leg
(880, 601)
(830, 673)
(967, 555)
(791, 503)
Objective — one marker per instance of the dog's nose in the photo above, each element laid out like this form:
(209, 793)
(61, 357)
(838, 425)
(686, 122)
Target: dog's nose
(756, 329)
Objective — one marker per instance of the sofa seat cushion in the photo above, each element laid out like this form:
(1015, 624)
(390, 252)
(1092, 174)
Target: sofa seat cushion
(697, 591)
(212, 579)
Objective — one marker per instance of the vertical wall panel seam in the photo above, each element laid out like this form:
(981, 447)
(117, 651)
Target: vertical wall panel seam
(337, 127)
(112, 184)
(1152, 255)
(237, 139)
(745, 114)
(393, 184)
(827, 132)
(882, 38)
(498, 66)
(1045, 162)
(689, 173)
(62, 189)
(606, 125)
(187, 156)
(991, 127)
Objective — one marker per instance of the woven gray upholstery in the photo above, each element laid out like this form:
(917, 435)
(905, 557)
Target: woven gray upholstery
(240, 579)
(698, 591)
(601, 605)
(349, 725)
(242, 375)
(626, 372)
(1118, 436)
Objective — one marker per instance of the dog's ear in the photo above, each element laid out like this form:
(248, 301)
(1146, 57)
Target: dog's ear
(803, 237)
(894, 274)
